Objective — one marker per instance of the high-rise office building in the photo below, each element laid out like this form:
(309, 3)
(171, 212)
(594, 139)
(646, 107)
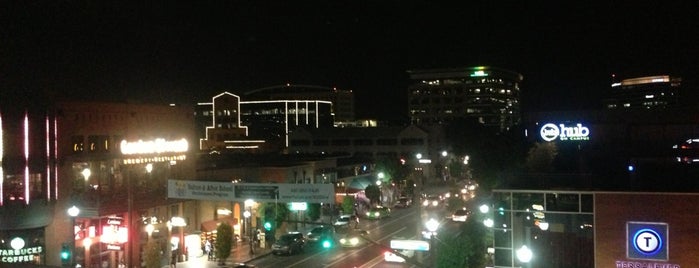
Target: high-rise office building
(487, 94)
(649, 92)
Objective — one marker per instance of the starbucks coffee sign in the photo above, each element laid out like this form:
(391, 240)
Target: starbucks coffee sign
(562, 132)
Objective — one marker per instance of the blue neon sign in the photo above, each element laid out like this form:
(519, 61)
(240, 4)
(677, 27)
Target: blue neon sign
(647, 240)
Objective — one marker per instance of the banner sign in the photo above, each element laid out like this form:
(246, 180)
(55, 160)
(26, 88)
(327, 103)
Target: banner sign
(259, 192)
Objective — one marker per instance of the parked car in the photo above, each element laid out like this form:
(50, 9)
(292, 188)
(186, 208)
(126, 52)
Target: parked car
(403, 202)
(378, 212)
(289, 243)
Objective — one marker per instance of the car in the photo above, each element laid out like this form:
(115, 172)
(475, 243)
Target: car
(431, 202)
(243, 265)
(353, 239)
(320, 233)
(289, 243)
(460, 215)
(345, 220)
(403, 202)
(426, 234)
(378, 212)
(391, 256)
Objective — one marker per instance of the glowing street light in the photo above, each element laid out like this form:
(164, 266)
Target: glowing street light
(72, 212)
(432, 225)
(488, 222)
(524, 254)
(149, 229)
(484, 208)
(86, 174)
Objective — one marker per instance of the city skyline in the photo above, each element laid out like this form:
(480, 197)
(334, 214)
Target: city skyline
(182, 52)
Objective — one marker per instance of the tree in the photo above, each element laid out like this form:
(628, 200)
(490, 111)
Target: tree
(465, 250)
(152, 254)
(540, 157)
(348, 204)
(224, 240)
(373, 193)
(274, 212)
(313, 211)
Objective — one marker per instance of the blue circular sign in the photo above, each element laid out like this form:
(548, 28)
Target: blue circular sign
(647, 241)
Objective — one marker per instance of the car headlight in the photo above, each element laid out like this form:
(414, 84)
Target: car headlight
(435, 203)
(354, 241)
(425, 203)
(343, 241)
(368, 213)
(376, 214)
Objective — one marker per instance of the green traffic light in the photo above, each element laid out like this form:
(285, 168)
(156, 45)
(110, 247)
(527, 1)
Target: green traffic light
(65, 253)
(268, 226)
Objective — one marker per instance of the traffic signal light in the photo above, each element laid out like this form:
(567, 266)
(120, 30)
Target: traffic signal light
(65, 254)
(268, 226)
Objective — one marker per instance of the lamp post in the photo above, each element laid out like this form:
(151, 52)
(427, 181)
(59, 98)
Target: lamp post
(149, 229)
(432, 225)
(524, 255)
(72, 212)
(247, 215)
(86, 174)
(378, 184)
(87, 243)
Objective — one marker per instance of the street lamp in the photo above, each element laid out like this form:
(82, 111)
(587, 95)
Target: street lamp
(86, 174)
(87, 242)
(149, 229)
(72, 212)
(432, 225)
(247, 215)
(524, 254)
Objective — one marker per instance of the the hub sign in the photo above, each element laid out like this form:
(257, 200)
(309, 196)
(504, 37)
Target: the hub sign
(551, 132)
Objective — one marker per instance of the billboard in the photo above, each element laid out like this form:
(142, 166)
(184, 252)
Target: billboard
(259, 192)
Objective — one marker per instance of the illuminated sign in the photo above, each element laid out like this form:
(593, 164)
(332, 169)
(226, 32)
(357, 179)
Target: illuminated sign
(299, 206)
(478, 74)
(551, 132)
(156, 146)
(18, 253)
(647, 244)
(646, 241)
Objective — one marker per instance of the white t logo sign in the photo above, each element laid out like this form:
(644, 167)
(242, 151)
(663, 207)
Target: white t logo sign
(647, 241)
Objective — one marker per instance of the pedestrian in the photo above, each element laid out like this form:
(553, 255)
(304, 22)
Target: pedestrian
(356, 219)
(173, 258)
(208, 250)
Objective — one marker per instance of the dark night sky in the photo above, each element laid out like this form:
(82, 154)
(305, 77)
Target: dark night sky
(175, 52)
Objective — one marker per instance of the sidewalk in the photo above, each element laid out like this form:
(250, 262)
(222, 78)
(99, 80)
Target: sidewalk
(239, 254)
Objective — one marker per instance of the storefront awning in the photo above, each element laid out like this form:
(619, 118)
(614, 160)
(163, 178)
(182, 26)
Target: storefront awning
(209, 226)
(361, 182)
